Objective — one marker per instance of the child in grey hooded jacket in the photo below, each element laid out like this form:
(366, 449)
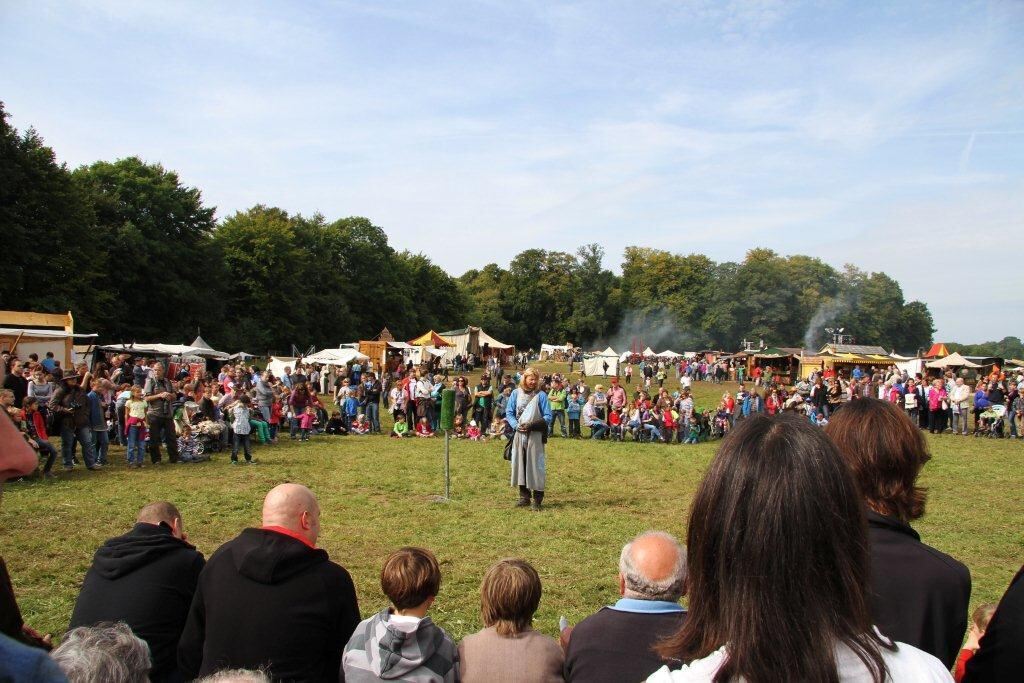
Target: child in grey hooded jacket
(401, 643)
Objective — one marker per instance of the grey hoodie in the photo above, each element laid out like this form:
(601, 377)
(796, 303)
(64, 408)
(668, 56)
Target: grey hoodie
(380, 650)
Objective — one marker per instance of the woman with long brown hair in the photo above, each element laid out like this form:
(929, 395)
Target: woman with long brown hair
(778, 569)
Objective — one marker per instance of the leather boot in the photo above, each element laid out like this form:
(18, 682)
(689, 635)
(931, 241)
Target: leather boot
(538, 498)
(524, 497)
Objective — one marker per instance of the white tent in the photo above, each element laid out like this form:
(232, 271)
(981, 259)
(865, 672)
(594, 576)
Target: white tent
(335, 357)
(277, 364)
(912, 366)
(649, 352)
(179, 350)
(953, 360)
(594, 364)
(625, 356)
(669, 354)
(548, 349)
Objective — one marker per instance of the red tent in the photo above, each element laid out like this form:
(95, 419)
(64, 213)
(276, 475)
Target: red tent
(937, 351)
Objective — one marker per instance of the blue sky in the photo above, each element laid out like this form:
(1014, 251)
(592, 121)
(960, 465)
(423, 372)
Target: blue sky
(887, 135)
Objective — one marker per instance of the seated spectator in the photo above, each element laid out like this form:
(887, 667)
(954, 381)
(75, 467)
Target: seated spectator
(979, 623)
(236, 676)
(778, 583)
(336, 425)
(508, 649)
(1000, 656)
(108, 652)
(918, 594)
(146, 579)
(299, 607)
(423, 428)
(597, 426)
(417, 649)
(361, 425)
(401, 427)
(498, 428)
(473, 431)
(617, 643)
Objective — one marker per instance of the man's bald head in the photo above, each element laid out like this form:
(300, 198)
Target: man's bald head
(653, 567)
(162, 512)
(294, 507)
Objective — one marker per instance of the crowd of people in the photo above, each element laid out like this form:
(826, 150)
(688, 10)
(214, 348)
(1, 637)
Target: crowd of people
(271, 605)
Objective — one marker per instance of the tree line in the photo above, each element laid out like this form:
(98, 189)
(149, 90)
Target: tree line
(137, 256)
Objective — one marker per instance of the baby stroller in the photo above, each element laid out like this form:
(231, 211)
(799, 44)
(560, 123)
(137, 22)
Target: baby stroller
(719, 426)
(190, 448)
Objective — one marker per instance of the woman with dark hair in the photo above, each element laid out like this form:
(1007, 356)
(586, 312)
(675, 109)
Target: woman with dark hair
(919, 595)
(778, 569)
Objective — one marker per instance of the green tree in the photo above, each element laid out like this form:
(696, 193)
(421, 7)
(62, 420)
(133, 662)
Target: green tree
(158, 235)
(48, 217)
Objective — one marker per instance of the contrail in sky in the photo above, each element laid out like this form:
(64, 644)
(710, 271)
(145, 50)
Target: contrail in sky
(965, 156)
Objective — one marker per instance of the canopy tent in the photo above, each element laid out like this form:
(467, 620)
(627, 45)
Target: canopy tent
(953, 360)
(649, 352)
(430, 338)
(669, 354)
(937, 351)
(241, 355)
(335, 357)
(547, 350)
(911, 366)
(602, 364)
(473, 340)
(25, 332)
(179, 350)
(1014, 362)
(624, 356)
(277, 364)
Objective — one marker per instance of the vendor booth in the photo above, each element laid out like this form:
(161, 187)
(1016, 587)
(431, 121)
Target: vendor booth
(844, 358)
(473, 340)
(23, 333)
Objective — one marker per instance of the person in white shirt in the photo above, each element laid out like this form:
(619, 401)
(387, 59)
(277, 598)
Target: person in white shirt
(777, 554)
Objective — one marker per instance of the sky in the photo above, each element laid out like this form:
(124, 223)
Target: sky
(886, 135)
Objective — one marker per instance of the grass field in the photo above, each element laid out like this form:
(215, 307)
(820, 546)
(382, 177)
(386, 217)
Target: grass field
(376, 494)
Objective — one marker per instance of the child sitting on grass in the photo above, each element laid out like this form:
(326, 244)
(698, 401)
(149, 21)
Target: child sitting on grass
(401, 428)
(458, 428)
(361, 426)
(423, 428)
(979, 623)
(497, 428)
(417, 650)
(336, 425)
(472, 431)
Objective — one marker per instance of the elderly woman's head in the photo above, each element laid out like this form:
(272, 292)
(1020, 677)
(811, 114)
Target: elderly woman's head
(886, 451)
(509, 596)
(107, 652)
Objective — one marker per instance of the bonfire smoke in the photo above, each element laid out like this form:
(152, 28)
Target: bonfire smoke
(656, 329)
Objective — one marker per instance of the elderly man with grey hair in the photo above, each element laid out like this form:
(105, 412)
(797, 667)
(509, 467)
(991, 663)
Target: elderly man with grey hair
(107, 652)
(616, 643)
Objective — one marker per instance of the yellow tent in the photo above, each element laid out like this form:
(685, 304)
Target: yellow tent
(430, 338)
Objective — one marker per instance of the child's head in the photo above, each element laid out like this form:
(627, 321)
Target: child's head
(136, 393)
(472, 423)
(310, 410)
(96, 385)
(410, 577)
(30, 404)
(509, 596)
(982, 615)
(244, 399)
(399, 415)
(423, 421)
(458, 419)
(6, 398)
(335, 415)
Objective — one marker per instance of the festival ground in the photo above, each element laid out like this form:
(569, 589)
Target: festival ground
(376, 492)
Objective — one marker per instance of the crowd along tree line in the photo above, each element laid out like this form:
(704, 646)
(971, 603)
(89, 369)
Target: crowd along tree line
(136, 255)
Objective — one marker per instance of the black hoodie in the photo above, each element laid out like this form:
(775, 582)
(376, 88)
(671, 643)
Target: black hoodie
(145, 578)
(267, 599)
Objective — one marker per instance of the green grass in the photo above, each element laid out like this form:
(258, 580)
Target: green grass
(376, 495)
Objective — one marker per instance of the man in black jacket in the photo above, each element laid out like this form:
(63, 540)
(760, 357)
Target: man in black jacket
(145, 578)
(270, 598)
(616, 643)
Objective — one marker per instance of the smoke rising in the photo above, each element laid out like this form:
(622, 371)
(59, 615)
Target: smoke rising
(828, 312)
(656, 328)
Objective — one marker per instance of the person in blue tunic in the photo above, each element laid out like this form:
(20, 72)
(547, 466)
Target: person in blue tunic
(529, 414)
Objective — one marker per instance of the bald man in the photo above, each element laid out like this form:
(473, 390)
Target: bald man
(615, 643)
(270, 598)
(145, 578)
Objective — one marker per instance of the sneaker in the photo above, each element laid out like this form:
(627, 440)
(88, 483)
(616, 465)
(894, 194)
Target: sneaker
(96, 466)
(68, 468)
(234, 462)
(535, 506)
(250, 462)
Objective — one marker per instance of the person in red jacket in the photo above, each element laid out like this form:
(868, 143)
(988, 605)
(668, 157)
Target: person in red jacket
(979, 623)
(35, 425)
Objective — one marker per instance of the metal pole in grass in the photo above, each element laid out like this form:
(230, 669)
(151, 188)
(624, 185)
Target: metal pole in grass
(447, 423)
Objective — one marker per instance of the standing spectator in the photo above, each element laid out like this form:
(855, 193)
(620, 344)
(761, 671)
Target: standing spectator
(35, 426)
(919, 595)
(71, 406)
(160, 395)
(300, 608)
(483, 398)
(962, 400)
(557, 398)
(140, 373)
(508, 649)
(98, 422)
(16, 382)
(371, 390)
(40, 387)
(145, 578)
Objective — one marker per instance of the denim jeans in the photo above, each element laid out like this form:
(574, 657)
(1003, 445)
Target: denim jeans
(68, 436)
(100, 445)
(243, 441)
(265, 412)
(598, 429)
(373, 416)
(558, 416)
(960, 421)
(574, 426)
(47, 449)
(136, 445)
